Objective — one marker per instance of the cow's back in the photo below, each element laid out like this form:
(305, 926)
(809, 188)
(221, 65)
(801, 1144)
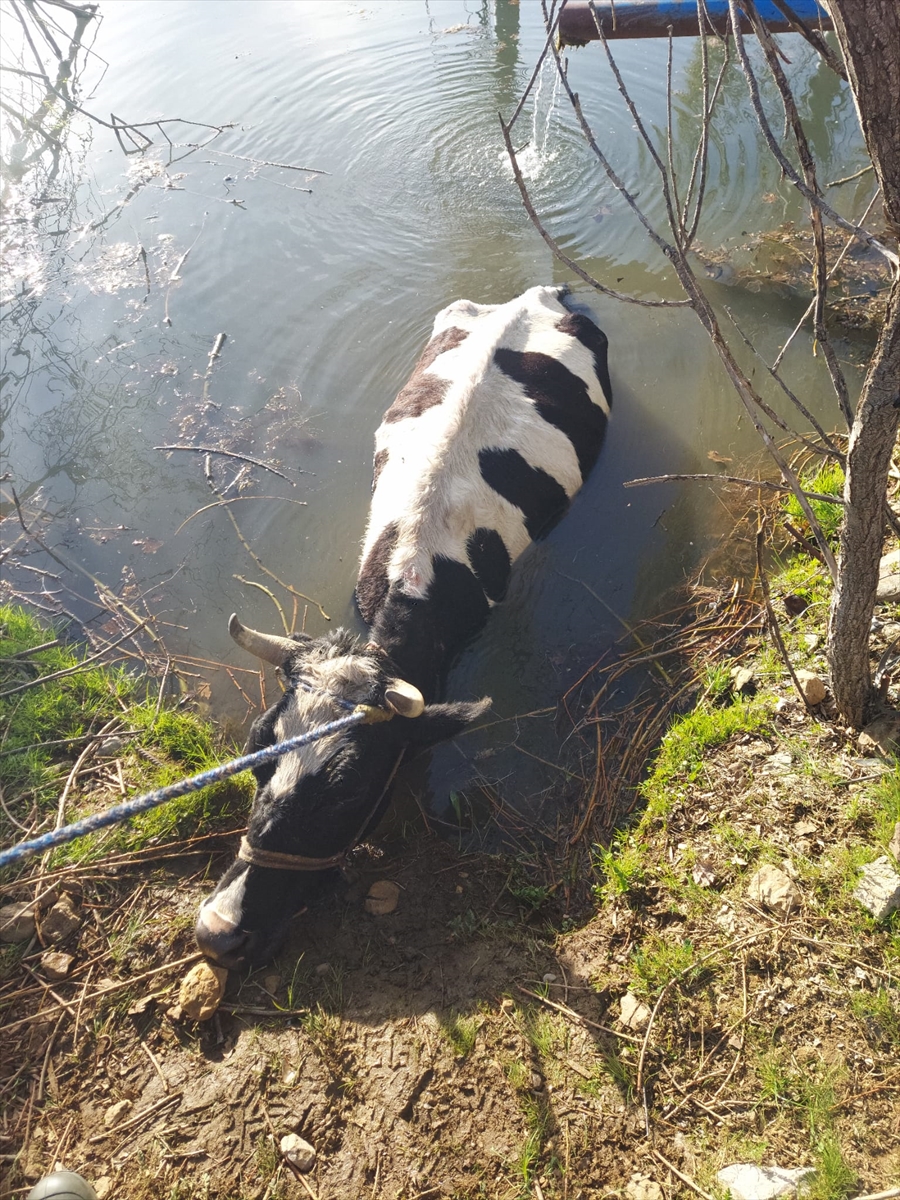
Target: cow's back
(482, 450)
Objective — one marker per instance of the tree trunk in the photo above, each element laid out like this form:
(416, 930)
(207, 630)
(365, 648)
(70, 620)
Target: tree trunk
(869, 35)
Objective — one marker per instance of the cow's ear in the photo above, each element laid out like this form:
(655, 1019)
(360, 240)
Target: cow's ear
(442, 721)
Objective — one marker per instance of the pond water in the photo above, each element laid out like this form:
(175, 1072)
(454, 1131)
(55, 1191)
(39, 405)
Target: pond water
(326, 296)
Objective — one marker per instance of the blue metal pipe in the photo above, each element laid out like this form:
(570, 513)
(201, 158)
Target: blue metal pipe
(653, 18)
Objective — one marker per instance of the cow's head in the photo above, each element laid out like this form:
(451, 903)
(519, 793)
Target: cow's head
(316, 802)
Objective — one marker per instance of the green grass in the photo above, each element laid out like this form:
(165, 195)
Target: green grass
(623, 865)
(689, 739)
(656, 962)
(461, 1032)
(886, 800)
(829, 480)
(33, 773)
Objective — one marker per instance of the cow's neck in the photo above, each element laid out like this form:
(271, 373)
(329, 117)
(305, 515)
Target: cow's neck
(407, 631)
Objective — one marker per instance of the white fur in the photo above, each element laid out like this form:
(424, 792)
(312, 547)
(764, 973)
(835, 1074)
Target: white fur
(349, 677)
(431, 484)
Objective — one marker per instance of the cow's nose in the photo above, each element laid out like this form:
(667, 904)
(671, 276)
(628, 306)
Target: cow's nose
(220, 939)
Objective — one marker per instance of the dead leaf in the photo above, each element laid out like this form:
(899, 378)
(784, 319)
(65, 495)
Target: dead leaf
(703, 874)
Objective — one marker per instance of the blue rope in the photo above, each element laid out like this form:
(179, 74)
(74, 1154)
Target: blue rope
(121, 812)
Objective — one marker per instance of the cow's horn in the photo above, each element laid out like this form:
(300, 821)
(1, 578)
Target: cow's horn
(404, 699)
(266, 646)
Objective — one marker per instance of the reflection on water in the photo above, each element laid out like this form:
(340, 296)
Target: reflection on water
(326, 285)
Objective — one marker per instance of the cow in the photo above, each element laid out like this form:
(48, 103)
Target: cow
(480, 453)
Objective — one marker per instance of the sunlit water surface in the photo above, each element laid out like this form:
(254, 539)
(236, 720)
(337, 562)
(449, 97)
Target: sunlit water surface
(326, 297)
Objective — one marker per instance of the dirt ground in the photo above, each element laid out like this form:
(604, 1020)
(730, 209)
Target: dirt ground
(472, 1043)
(458, 1046)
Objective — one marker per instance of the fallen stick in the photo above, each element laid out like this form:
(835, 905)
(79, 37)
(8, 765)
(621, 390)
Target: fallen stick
(231, 454)
(106, 991)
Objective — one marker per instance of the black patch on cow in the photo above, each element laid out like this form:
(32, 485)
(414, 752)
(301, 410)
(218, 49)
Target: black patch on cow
(489, 559)
(422, 391)
(577, 325)
(457, 601)
(381, 457)
(372, 584)
(539, 496)
(561, 398)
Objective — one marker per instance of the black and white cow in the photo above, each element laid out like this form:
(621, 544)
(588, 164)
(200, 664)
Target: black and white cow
(480, 453)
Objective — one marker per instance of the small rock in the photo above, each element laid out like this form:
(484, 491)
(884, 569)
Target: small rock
(748, 1181)
(549, 977)
(382, 898)
(775, 890)
(60, 922)
(104, 1187)
(878, 891)
(812, 640)
(112, 746)
(55, 964)
(781, 761)
(881, 735)
(633, 1014)
(795, 604)
(115, 1112)
(297, 1152)
(643, 1189)
(889, 577)
(742, 680)
(201, 991)
(805, 828)
(812, 686)
(323, 968)
(537, 1081)
(272, 983)
(17, 922)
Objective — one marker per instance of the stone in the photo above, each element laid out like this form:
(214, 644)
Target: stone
(60, 922)
(742, 680)
(383, 898)
(55, 964)
(300, 1154)
(643, 1188)
(748, 1181)
(781, 761)
(104, 1187)
(272, 983)
(17, 922)
(889, 577)
(878, 891)
(201, 991)
(775, 890)
(633, 1013)
(812, 686)
(881, 735)
(62, 1185)
(116, 1112)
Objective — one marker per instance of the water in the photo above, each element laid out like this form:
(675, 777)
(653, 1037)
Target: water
(326, 297)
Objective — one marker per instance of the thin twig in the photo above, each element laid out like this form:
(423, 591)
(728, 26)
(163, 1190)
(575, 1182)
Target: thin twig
(767, 484)
(773, 620)
(231, 454)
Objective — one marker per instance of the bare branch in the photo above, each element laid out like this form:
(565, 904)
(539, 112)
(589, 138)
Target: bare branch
(779, 156)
